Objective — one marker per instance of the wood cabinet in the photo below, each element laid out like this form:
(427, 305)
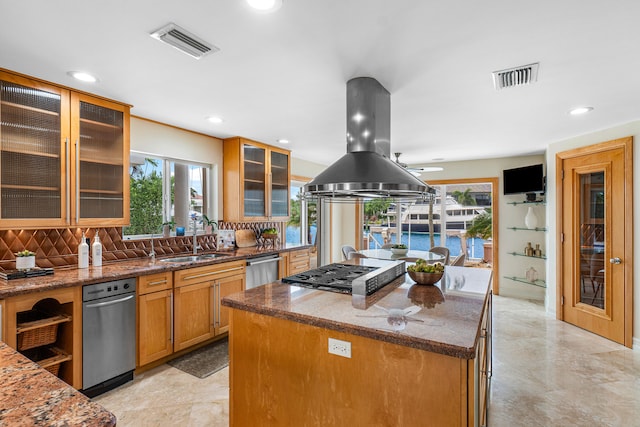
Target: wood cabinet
(155, 317)
(256, 181)
(297, 382)
(294, 262)
(65, 156)
(198, 315)
(62, 354)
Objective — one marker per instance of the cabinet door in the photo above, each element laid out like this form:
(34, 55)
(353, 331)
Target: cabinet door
(279, 188)
(224, 287)
(254, 180)
(100, 168)
(193, 316)
(155, 326)
(34, 143)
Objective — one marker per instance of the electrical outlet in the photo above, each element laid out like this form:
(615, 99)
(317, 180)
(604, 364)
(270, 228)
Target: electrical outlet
(340, 348)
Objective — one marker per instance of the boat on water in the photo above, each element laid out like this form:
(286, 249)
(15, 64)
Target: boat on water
(415, 215)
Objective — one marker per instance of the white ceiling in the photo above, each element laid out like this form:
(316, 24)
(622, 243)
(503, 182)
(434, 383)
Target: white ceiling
(283, 75)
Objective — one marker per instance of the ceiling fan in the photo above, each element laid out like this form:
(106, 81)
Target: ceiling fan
(416, 171)
(412, 171)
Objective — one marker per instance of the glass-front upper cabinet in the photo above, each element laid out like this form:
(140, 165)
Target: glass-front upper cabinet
(256, 181)
(279, 184)
(62, 154)
(101, 169)
(34, 130)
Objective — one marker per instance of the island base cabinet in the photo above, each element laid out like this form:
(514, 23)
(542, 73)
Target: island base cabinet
(288, 378)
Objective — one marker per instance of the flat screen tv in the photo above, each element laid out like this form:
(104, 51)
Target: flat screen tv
(527, 179)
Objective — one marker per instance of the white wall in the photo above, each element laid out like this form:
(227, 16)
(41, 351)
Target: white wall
(167, 141)
(629, 129)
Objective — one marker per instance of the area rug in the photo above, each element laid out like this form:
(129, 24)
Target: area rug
(204, 361)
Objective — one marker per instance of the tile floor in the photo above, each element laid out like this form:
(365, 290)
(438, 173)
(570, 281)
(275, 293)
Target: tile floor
(545, 373)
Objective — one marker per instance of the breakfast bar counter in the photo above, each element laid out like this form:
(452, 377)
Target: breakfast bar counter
(409, 354)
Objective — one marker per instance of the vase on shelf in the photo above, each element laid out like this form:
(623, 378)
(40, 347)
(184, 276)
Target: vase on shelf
(531, 220)
(531, 274)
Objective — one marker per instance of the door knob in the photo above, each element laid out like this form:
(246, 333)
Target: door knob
(615, 260)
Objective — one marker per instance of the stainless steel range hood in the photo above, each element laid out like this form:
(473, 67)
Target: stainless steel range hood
(367, 170)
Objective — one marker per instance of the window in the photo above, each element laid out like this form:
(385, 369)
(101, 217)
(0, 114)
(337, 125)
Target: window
(166, 191)
(299, 230)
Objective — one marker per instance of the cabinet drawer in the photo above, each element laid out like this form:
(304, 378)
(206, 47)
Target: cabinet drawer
(209, 272)
(155, 282)
(298, 268)
(299, 261)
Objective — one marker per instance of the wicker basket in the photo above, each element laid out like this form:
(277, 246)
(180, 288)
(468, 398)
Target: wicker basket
(49, 358)
(36, 328)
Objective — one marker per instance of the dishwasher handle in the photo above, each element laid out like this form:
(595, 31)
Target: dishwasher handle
(104, 304)
(263, 261)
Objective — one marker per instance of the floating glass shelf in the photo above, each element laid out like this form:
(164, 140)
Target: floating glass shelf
(539, 283)
(528, 229)
(528, 256)
(538, 202)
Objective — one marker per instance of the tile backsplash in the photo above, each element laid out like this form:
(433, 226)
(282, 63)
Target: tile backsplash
(58, 247)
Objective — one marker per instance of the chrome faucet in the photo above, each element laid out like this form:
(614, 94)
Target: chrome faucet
(152, 254)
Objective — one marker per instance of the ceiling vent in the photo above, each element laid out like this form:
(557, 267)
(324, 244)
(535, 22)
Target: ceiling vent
(184, 41)
(516, 76)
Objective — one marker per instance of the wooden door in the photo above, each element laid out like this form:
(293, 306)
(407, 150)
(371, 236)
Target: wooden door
(226, 286)
(596, 224)
(155, 324)
(193, 317)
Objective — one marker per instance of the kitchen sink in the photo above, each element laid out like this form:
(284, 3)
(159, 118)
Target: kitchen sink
(192, 258)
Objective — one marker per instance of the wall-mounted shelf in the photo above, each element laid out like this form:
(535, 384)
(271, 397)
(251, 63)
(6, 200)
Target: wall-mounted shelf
(527, 229)
(539, 283)
(527, 256)
(539, 202)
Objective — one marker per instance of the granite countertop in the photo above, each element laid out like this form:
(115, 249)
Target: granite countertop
(31, 396)
(71, 276)
(445, 318)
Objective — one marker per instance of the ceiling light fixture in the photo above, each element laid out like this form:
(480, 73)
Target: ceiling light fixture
(265, 6)
(83, 76)
(215, 119)
(282, 141)
(580, 110)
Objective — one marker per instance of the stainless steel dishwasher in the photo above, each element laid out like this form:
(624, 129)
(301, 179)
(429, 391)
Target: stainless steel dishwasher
(108, 335)
(261, 270)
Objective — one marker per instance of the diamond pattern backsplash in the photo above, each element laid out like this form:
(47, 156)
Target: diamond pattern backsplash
(59, 247)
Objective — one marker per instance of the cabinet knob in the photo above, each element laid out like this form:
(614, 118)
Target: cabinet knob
(615, 260)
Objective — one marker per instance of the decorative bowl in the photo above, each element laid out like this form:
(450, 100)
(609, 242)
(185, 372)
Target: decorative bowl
(399, 251)
(425, 278)
(271, 236)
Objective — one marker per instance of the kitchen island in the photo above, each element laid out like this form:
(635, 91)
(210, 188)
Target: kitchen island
(417, 355)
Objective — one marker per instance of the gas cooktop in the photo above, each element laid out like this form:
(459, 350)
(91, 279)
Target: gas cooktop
(362, 279)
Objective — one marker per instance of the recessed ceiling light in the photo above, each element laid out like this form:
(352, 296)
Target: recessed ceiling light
(437, 159)
(83, 76)
(283, 141)
(580, 110)
(265, 5)
(215, 119)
